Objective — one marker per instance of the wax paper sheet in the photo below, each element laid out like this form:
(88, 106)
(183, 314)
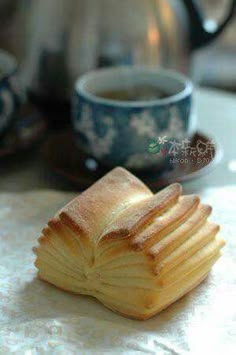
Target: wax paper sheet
(37, 318)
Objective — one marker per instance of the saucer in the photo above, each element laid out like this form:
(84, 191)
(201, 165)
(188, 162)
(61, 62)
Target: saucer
(81, 170)
(26, 130)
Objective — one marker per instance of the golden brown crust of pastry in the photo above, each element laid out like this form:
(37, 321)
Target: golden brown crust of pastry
(134, 251)
(97, 206)
(135, 217)
(166, 245)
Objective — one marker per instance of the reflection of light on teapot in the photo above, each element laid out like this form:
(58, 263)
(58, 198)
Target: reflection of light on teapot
(168, 13)
(153, 41)
(153, 36)
(232, 166)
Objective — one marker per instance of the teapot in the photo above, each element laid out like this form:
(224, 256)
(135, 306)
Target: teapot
(66, 38)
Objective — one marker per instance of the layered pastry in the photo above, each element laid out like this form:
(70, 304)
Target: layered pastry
(135, 251)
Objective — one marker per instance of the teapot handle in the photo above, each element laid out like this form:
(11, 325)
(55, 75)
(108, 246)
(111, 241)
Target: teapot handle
(199, 34)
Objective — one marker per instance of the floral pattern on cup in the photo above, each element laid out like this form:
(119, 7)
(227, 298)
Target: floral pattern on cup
(120, 134)
(100, 146)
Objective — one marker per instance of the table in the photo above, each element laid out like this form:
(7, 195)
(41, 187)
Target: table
(217, 117)
(37, 318)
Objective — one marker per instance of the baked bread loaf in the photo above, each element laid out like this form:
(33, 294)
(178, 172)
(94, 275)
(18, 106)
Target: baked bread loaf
(134, 251)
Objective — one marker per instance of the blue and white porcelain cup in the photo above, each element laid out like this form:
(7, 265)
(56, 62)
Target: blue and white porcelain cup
(120, 132)
(11, 93)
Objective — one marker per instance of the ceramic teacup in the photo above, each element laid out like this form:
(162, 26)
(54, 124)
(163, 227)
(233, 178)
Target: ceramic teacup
(117, 132)
(11, 93)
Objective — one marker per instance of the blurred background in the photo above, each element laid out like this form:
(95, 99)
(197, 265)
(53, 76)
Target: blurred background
(23, 21)
(56, 41)
(215, 66)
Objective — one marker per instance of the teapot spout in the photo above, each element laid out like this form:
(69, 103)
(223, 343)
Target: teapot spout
(200, 35)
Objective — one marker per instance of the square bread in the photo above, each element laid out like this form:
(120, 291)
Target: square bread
(135, 251)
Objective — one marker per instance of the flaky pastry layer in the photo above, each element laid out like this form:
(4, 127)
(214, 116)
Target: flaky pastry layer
(134, 251)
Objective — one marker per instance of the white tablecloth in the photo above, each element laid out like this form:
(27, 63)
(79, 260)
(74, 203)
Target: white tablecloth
(36, 318)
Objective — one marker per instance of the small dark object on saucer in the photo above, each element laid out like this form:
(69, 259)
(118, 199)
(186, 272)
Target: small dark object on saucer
(62, 155)
(27, 129)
